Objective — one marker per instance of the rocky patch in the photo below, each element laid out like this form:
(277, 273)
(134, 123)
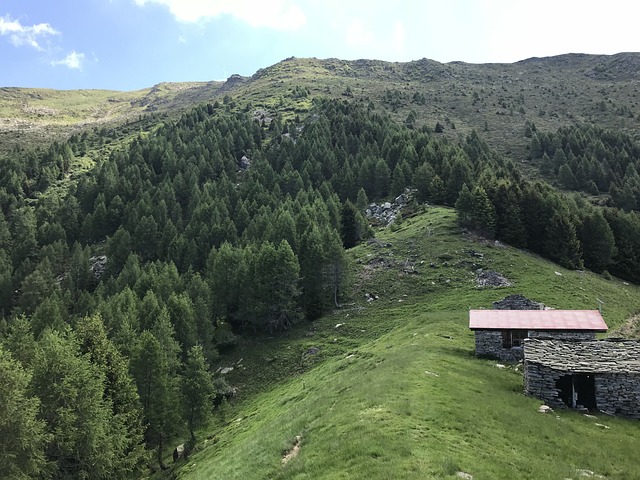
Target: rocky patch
(490, 278)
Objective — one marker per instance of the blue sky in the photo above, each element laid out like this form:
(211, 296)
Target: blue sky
(132, 44)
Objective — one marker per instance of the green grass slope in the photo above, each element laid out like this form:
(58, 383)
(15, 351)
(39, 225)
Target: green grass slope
(37, 116)
(391, 388)
(494, 99)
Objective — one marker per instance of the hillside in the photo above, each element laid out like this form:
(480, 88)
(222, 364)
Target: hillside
(391, 389)
(495, 99)
(176, 273)
(34, 117)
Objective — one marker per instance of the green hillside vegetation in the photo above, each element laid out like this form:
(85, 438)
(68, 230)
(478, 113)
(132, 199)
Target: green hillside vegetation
(142, 255)
(36, 116)
(395, 391)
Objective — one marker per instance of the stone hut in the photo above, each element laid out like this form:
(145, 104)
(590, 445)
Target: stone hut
(599, 375)
(501, 333)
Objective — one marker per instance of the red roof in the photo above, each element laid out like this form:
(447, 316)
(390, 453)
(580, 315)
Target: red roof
(537, 320)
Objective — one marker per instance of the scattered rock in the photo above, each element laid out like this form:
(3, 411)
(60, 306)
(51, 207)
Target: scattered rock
(588, 473)
(433, 374)
(604, 427)
(338, 325)
(244, 163)
(370, 298)
(387, 212)
(226, 370)
(545, 409)
(464, 475)
(499, 365)
(490, 278)
(293, 452)
(178, 453)
(558, 274)
(98, 265)
(589, 416)
(311, 351)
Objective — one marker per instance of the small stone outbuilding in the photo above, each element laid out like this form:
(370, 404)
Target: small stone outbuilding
(501, 333)
(599, 375)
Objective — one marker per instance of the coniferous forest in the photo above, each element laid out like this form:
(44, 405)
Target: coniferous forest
(118, 293)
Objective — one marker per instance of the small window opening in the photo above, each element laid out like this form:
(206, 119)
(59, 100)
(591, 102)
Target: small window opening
(514, 338)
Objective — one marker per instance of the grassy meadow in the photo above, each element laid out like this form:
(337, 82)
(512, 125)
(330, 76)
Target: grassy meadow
(391, 389)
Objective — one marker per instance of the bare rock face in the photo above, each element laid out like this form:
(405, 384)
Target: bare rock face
(387, 212)
(490, 278)
(98, 265)
(244, 163)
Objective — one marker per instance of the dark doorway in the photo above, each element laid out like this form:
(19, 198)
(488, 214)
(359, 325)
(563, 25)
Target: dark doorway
(577, 391)
(586, 390)
(565, 386)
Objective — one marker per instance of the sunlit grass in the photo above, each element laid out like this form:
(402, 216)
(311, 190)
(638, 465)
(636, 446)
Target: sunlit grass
(396, 392)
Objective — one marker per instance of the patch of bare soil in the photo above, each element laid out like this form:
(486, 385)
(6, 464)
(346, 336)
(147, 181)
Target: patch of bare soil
(293, 452)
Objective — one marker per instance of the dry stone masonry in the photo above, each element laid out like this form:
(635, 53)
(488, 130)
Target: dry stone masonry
(602, 375)
(517, 302)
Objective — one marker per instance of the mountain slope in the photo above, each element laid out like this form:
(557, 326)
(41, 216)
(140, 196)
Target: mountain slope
(35, 116)
(495, 99)
(391, 389)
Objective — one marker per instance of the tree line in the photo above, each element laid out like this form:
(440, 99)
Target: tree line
(210, 226)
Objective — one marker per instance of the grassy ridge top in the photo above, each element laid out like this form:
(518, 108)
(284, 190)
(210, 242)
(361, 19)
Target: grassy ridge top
(394, 391)
(495, 99)
(36, 116)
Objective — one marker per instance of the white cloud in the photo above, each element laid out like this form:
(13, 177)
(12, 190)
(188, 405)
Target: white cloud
(20, 35)
(73, 60)
(276, 14)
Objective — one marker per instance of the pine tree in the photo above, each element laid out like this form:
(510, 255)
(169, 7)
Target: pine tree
(120, 390)
(483, 212)
(464, 206)
(197, 390)
(350, 227)
(158, 390)
(22, 434)
(76, 411)
(561, 243)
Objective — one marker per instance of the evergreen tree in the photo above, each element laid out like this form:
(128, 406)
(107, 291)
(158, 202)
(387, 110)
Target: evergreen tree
(158, 390)
(312, 259)
(362, 202)
(76, 412)
(197, 390)
(598, 243)
(22, 433)
(350, 226)
(437, 190)
(483, 212)
(561, 243)
(464, 206)
(120, 390)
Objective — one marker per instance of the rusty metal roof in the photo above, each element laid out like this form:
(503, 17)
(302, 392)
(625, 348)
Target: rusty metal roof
(537, 320)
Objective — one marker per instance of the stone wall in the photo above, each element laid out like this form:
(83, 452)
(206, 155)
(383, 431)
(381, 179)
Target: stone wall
(489, 344)
(517, 302)
(562, 335)
(616, 393)
(540, 382)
